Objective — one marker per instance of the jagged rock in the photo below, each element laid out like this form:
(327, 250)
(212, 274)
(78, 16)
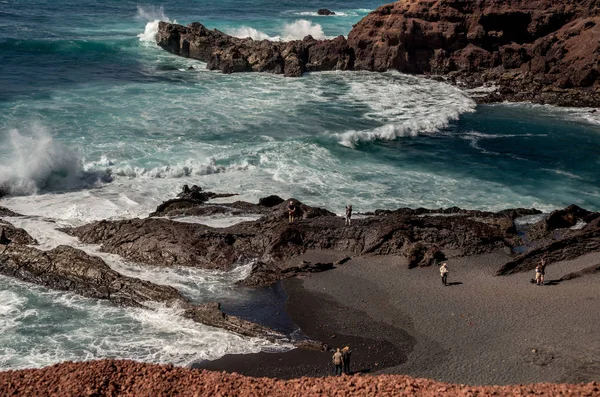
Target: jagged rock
(325, 12)
(271, 239)
(230, 54)
(6, 212)
(419, 255)
(531, 50)
(10, 234)
(270, 201)
(265, 274)
(560, 219)
(68, 269)
(189, 198)
(575, 244)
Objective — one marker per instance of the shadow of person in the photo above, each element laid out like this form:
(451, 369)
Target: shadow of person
(455, 283)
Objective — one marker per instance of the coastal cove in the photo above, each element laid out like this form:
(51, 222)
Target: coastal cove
(175, 194)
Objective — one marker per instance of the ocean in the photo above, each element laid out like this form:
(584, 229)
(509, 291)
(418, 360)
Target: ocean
(97, 122)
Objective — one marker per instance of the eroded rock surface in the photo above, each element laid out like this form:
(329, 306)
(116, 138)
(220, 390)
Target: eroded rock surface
(541, 50)
(231, 54)
(65, 268)
(271, 239)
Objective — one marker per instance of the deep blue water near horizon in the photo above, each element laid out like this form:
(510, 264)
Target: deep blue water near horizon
(98, 122)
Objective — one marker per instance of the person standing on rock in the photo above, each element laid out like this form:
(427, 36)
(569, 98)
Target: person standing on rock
(292, 212)
(444, 273)
(346, 352)
(348, 214)
(338, 362)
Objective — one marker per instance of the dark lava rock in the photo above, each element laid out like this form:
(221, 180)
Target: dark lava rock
(571, 246)
(6, 212)
(325, 12)
(10, 234)
(188, 201)
(531, 50)
(271, 239)
(270, 201)
(265, 274)
(230, 54)
(68, 269)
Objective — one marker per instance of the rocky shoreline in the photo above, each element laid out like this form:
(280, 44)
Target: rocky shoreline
(318, 242)
(534, 51)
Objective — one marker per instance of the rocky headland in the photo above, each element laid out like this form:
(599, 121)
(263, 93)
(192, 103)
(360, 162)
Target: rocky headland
(540, 51)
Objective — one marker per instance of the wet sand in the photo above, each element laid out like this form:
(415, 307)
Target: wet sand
(480, 330)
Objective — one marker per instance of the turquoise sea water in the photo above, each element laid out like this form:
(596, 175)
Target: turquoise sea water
(98, 122)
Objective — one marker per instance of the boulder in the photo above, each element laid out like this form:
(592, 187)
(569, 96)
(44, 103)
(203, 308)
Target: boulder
(325, 12)
(270, 201)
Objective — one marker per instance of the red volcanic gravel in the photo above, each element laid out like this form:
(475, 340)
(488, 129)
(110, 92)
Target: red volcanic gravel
(128, 378)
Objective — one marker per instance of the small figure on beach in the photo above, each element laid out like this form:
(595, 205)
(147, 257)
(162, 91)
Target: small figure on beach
(538, 275)
(348, 214)
(338, 362)
(292, 211)
(444, 273)
(543, 273)
(346, 352)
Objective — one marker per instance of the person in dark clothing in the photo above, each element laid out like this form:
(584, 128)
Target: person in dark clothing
(348, 214)
(292, 211)
(543, 268)
(338, 362)
(346, 352)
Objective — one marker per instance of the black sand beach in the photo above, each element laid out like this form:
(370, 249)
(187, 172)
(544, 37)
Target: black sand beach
(482, 329)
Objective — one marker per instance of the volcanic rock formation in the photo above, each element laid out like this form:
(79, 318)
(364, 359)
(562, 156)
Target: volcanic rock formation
(541, 50)
(65, 268)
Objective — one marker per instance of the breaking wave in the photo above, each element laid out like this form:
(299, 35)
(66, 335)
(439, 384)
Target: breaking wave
(296, 30)
(405, 106)
(153, 15)
(36, 162)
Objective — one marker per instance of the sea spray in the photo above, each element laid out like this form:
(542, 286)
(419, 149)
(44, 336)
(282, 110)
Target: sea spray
(36, 162)
(153, 16)
(296, 30)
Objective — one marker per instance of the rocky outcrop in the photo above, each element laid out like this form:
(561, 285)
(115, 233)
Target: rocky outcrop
(6, 212)
(230, 54)
(265, 274)
(187, 200)
(271, 239)
(10, 234)
(569, 245)
(68, 269)
(540, 51)
(132, 379)
(325, 12)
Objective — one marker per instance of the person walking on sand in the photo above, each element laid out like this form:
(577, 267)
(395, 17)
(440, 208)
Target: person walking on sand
(348, 214)
(538, 275)
(292, 212)
(543, 272)
(338, 362)
(444, 273)
(346, 352)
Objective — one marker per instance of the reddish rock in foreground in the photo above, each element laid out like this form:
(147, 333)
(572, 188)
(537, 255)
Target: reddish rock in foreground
(128, 378)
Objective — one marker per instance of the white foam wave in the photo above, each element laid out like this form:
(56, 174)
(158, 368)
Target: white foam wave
(296, 30)
(153, 15)
(35, 161)
(79, 329)
(406, 106)
(187, 169)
